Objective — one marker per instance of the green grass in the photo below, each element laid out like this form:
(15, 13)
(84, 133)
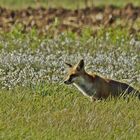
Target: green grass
(64, 3)
(65, 114)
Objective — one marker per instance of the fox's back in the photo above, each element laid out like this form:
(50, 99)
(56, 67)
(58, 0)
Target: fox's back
(117, 88)
(108, 87)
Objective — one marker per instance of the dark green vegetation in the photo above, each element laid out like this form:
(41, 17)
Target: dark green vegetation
(34, 102)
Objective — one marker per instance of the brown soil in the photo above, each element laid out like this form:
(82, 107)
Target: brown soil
(60, 19)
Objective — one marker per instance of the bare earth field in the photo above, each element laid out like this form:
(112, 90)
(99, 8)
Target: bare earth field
(57, 20)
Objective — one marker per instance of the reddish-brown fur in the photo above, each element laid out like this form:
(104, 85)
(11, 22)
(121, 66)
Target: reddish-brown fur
(95, 86)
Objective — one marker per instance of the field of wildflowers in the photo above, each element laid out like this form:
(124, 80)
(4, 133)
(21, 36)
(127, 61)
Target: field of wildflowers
(27, 59)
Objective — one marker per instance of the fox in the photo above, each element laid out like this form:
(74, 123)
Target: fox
(95, 86)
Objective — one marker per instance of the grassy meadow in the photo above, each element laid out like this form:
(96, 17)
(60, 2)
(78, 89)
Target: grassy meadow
(36, 105)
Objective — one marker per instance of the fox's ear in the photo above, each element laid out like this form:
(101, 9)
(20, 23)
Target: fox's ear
(68, 64)
(80, 65)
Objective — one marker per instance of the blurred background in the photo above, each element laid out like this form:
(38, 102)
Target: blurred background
(64, 3)
(69, 15)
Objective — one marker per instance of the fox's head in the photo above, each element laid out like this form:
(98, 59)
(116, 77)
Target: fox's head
(74, 72)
